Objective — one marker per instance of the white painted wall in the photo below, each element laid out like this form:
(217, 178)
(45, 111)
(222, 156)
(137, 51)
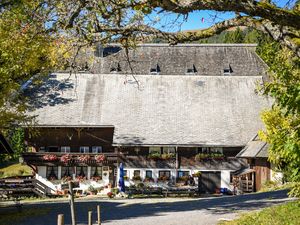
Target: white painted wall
(42, 171)
(59, 172)
(225, 174)
(225, 179)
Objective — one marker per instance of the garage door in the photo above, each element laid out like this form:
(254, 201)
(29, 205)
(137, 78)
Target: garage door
(210, 181)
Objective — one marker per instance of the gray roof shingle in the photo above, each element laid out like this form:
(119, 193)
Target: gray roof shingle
(207, 59)
(162, 110)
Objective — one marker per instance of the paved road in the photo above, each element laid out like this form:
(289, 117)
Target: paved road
(169, 211)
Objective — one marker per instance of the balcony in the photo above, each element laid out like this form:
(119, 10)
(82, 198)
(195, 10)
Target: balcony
(71, 159)
(226, 163)
(145, 162)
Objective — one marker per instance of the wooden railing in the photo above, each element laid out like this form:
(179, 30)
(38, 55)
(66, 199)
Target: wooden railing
(22, 187)
(74, 158)
(230, 163)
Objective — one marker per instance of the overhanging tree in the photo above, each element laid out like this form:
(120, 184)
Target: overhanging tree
(84, 22)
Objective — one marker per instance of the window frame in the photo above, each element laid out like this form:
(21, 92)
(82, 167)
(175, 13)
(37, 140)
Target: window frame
(84, 148)
(153, 150)
(65, 149)
(100, 150)
(164, 172)
(148, 171)
(169, 150)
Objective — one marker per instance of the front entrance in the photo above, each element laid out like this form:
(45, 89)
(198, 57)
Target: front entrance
(209, 181)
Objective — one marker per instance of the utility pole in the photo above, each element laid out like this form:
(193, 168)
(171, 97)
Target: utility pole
(71, 199)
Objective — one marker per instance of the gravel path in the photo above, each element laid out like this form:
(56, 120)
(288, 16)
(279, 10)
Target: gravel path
(164, 211)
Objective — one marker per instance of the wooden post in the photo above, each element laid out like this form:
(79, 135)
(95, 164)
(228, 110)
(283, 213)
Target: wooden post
(98, 215)
(71, 198)
(90, 218)
(60, 219)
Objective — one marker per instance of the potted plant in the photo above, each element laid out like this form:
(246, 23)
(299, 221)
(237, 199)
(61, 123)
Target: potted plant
(110, 194)
(83, 158)
(137, 178)
(99, 158)
(148, 179)
(197, 174)
(163, 178)
(50, 157)
(66, 158)
(154, 156)
(167, 156)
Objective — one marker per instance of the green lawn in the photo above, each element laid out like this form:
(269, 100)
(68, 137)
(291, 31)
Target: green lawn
(285, 214)
(16, 169)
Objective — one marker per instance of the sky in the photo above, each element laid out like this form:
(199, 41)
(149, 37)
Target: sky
(196, 20)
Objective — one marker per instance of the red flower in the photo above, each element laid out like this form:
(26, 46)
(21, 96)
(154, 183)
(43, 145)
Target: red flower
(50, 157)
(65, 158)
(99, 158)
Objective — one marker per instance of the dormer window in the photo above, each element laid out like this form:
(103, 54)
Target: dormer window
(191, 69)
(154, 69)
(115, 67)
(227, 70)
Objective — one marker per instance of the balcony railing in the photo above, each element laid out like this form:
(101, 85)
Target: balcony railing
(69, 159)
(226, 163)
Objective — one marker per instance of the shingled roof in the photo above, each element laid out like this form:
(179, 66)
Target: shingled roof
(181, 59)
(255, 148)
(160, 110)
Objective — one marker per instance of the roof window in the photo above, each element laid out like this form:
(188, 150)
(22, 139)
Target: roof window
(227, 70)
(115, 67)
(191, 69)
(155, 69)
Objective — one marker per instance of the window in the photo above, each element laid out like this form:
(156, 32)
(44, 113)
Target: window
(84, 149)
(81, 171)
(169, 150)
(183, 173)
(216, 150)
(165, 173)
(191, 69)
(125, 173)
(96, 171)
(136, 173)
(204, 150)
(65, 149)
(97, 149)
(53, 149)
(227, 70)
(153, 150)
(66, 171)
(42, 149)
(115, 67)
(52, 172)
(154, 69)
(148, 174)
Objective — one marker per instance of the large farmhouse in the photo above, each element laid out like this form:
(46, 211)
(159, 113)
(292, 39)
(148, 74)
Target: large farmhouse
(165, 112)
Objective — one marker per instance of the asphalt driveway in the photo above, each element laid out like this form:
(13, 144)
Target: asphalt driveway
(163, 211)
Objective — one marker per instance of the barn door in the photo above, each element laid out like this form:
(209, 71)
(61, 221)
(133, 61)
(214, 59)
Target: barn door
(210, 181)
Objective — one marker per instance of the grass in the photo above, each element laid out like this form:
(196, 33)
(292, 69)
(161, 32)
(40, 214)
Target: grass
(285, 214)
(13, 216)
(274, 186)
(16, 169)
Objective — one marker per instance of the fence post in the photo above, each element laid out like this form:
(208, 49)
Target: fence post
(71, 198)
(98, 215)
(60, 219)
(90, 218)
